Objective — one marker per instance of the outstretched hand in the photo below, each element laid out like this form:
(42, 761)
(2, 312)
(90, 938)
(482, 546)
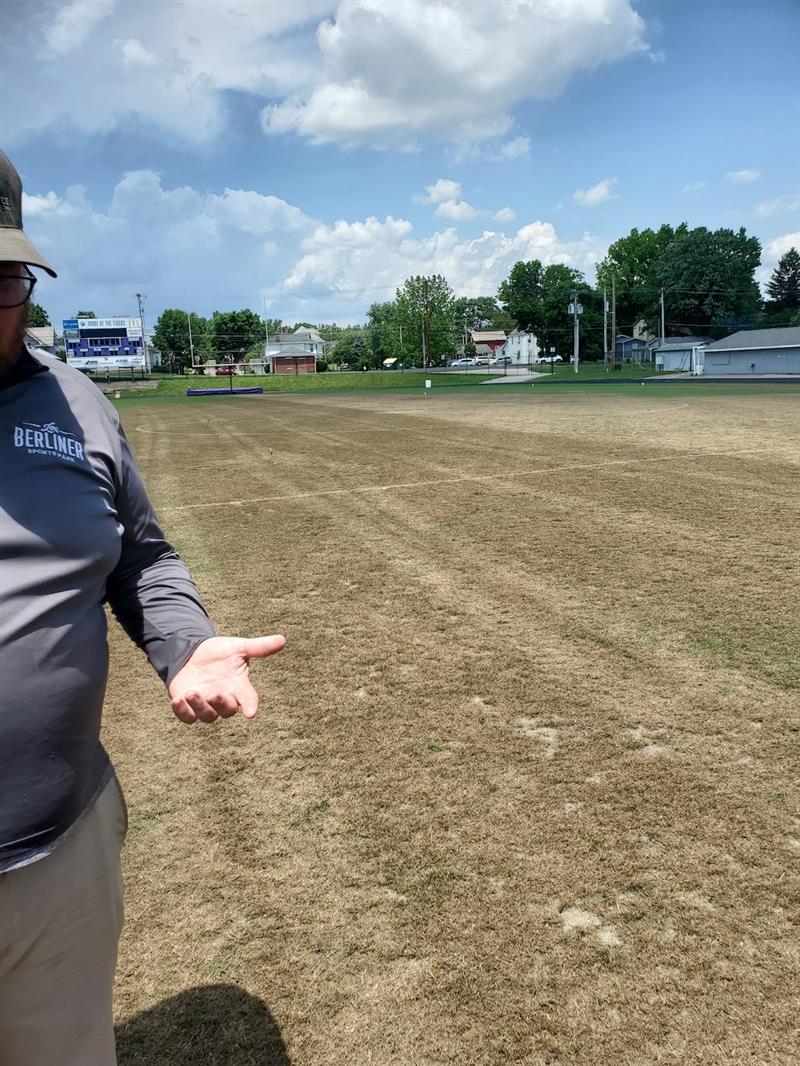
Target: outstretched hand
(215, 681)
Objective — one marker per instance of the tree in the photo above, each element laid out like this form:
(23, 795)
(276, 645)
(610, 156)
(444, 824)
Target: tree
(481, 312)
(235, 335)
(631, 262)
(521, 295)
(556, 328)
(784, 285)
(351, 348)
(273, 326)
(36, 316)
(709, 281)
(171, 337)
(86, 314)
(425, 313)
(383, 332)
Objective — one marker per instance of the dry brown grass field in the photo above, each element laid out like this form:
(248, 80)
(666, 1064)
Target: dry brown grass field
(524, 786)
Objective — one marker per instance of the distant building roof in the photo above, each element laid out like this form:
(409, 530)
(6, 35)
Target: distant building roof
(778, 337)
(291, 351)
(678, 343)
(310, 334)
(42, 336)
(486, 336)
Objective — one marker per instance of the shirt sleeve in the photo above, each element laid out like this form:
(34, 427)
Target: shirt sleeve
(150, 590)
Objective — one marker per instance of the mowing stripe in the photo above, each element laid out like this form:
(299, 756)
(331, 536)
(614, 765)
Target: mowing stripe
(446, 481)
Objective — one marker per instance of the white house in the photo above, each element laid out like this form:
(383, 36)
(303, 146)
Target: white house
(523, 348)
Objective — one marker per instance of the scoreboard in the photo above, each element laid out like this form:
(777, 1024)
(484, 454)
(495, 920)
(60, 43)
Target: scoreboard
(104, 343)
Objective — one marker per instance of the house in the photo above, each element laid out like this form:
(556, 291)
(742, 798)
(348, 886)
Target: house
(487, 341)
(41, 337)
(679, 353)
(294, 353)
(755, 351)
(304, 336)
(521, 347)
(630, 349)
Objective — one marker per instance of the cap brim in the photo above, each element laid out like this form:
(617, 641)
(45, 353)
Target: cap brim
(16, 248)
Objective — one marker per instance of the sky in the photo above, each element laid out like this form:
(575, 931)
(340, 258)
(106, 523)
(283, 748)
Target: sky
(305, 157)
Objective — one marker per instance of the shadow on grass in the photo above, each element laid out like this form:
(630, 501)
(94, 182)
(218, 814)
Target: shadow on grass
(214, 1025)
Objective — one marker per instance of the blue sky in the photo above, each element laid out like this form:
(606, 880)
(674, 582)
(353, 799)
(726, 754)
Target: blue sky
(313, 154)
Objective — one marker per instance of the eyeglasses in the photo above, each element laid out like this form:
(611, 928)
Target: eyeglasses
(16, 289)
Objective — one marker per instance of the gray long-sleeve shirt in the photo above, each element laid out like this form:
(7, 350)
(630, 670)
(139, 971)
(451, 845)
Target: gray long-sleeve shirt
(76, 529)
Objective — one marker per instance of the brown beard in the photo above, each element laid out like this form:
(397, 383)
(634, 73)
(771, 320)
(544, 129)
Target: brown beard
(11, 346)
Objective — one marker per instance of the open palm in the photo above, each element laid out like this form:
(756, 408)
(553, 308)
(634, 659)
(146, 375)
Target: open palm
(215, 681)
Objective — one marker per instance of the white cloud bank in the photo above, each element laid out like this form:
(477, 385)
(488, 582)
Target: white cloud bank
(742, 177)
(442, 189)
(779, 206)
(186, 248)
(596, 194)
(779, 246)
(380, 73)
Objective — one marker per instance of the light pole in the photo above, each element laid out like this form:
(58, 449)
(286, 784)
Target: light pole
(140, 298)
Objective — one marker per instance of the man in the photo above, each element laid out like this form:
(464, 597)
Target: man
(76, 529)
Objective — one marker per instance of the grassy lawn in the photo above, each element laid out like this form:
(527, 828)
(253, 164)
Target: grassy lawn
(328, 382)
(594, 372)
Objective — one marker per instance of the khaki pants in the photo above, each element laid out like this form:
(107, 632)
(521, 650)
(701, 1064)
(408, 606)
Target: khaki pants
(60, 921)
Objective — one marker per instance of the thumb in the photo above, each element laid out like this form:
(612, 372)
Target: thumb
(261, 647)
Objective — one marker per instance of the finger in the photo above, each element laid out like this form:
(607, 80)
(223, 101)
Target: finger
(183, 712)
(261, 647)
(201, 707)
(224, 703)
(248, 698)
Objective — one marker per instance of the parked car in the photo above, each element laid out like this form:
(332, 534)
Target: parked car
(501, 360)
(481, 360)
(463, 362)
(548, 359)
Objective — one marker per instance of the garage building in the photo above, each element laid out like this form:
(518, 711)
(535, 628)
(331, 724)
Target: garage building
(755, 351)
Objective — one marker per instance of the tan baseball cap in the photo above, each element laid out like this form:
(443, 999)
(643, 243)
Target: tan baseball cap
(14, 245)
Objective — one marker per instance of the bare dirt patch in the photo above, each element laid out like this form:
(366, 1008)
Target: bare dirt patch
(523, 788)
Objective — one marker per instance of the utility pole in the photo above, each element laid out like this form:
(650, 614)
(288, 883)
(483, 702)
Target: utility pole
(575, 309)
(140, 298)
(191, 345)
(266, 334)
(614, 317)
(663, 325)
(605, 329)
(425, 324)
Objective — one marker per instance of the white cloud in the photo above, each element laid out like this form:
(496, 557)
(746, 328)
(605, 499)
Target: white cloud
(267, 49)
(506, 151)
(596, 194)
(441, 190)
(134, 54)
(74, 25)
(779, 246)
(374, 72)
(780, 205)
(367, 261)
(38, 205)
(505, 214)
(392, 72)
(742, 177)
(693, 186)
(187, 248)
(457, 210)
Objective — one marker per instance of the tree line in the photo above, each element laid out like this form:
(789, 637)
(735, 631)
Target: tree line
(706, 279)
